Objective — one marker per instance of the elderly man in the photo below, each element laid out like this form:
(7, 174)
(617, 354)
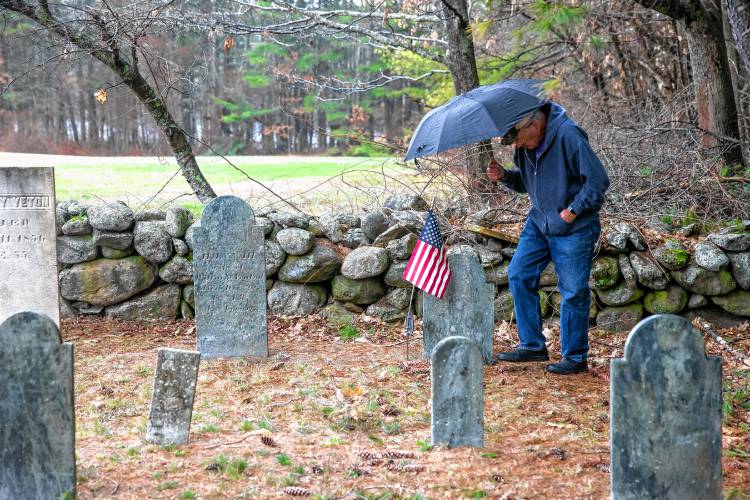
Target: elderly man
(566, 183)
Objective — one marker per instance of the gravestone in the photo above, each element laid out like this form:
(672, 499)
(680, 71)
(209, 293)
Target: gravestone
(466, 310)
(666, 414)
(229, 271)
(172, 399)
(37, 426)
(28, 242)
(457, 378)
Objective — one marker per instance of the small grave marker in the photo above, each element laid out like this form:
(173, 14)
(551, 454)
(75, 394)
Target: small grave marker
(230, 281)
(28, 242)
(457, 377)
(466, 310)
(666, 414)
(172, 399)
(37, 426)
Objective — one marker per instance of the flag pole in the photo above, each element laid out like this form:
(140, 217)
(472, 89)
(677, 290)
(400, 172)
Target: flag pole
(409, 321)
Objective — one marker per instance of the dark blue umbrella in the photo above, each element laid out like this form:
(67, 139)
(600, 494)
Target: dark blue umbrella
(480, 114)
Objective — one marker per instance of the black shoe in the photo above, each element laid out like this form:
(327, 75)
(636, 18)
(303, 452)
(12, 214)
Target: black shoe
(519, 355)
(568, 367)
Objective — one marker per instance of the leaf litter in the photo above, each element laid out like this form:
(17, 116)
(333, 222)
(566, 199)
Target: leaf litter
(324, 417)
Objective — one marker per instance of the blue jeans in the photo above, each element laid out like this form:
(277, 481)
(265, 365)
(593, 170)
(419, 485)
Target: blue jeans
(571, 254)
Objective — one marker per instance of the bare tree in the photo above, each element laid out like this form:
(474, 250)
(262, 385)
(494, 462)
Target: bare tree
(439, 32)
(115, 38)
(709, 60)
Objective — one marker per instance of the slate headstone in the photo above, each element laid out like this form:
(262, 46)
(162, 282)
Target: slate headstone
(467, 308)
(172, 399)
(230, 281)
(37, 426)
(666, 414)
(28, 243)
(457, 377)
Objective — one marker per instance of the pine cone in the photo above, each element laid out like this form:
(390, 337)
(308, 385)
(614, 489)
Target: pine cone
(394, 467)
(381, 401)
(374, 462)
(269, 441)
(413, 468)
(296, 491)
(276, 366)
(398, 454)
(368, 455)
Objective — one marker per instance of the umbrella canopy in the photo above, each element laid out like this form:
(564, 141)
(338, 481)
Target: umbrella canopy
(480, 114)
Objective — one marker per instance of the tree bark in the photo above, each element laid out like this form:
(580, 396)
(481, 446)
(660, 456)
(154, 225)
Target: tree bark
(714, 95)
(462, 64)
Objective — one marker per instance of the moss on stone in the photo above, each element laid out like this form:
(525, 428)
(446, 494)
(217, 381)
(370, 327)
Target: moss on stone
(679, 256)
(79, 218)
(735, 303)
(669, 301)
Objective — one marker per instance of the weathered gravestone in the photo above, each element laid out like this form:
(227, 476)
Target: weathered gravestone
(28, 242)
(37, 427)
(666, 414)
(172, 399)
(457, 377)
(230, 281)
(466, 310)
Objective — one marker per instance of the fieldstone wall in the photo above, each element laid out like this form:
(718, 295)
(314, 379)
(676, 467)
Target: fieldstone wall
(138, 265)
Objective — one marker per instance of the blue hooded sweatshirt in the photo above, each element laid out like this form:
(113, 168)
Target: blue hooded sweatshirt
(562, 172)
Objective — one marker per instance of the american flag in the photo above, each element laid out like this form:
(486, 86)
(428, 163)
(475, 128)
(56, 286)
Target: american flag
(428, 266)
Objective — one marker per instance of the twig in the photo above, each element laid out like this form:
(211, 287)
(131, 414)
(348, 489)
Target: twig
(399, 342)
(708, 328)
(284, 403)
(227, 443)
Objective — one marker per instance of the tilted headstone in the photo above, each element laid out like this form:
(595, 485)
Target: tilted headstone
(172, 399)
(28, 242)
(229, 270)
(467, 309)
(457, 376)
(37, 426)
(666, 414)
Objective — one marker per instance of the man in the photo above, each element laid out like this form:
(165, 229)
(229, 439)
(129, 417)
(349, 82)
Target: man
(566, 183)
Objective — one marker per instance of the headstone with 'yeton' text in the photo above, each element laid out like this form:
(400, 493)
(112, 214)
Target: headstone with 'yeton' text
(28, 242)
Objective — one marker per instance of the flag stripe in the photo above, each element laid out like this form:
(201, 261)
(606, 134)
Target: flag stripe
(426, 251)
(444, 281)
(417, 255)
(437, 276)
(426, 271)
(428, 267)
(432, 274)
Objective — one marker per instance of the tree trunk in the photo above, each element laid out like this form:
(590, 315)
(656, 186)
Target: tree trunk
(461, 62)
(714, 97)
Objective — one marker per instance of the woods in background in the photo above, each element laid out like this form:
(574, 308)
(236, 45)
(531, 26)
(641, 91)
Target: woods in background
(347, 77)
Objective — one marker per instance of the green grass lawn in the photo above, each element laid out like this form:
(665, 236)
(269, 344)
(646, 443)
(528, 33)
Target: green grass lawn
(136, 179)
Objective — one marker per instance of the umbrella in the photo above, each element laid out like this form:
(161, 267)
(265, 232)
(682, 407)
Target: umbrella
(480, 114)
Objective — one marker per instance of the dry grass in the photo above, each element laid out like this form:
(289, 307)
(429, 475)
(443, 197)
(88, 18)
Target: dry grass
(332, 409)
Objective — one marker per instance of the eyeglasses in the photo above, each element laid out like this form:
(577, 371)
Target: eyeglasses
(510, 136)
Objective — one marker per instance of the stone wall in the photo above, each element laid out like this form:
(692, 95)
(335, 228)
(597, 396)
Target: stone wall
(139, 266)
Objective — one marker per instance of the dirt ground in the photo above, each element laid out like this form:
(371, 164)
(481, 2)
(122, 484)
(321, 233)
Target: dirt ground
(331, 418)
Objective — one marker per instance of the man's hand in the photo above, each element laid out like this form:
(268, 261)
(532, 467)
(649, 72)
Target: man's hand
(494, 171)
(567, 216)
